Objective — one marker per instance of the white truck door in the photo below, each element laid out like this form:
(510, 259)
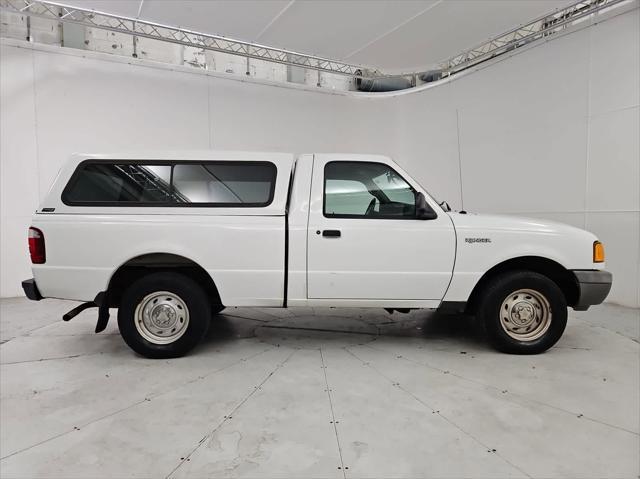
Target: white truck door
(364, 241)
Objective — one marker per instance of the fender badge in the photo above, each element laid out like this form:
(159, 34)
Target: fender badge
(477, 240)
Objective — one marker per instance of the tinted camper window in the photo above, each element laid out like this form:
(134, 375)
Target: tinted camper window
(228, 183)
(212, 183)
(120, 183)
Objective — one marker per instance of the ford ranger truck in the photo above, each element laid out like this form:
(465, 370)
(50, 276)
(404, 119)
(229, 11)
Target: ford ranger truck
(171, 239)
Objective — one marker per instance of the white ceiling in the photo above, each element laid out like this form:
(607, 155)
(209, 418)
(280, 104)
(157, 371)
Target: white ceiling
(392, 35)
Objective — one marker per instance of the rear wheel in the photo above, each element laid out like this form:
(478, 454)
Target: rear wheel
(163, 315)
(523, 312)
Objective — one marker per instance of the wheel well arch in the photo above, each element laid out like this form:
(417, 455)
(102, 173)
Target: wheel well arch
(553, 270)
(142, 265)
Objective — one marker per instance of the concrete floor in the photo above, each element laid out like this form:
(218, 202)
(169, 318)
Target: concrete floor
(318, 393)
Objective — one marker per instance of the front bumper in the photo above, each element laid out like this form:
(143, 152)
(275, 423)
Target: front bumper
(593, 287)
(31, 289)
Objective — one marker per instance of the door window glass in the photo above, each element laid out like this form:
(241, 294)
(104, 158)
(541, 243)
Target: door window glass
(356, 189)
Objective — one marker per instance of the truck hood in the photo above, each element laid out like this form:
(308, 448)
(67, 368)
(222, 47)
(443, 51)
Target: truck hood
(491, 222)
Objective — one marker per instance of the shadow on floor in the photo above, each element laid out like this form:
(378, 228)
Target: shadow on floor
(341, 327)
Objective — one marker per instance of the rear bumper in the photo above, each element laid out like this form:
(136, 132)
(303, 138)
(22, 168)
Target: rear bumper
(31, 289)
(593, 288)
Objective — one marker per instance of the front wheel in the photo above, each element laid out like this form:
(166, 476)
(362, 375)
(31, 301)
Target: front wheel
(163, 315)
(523, 312)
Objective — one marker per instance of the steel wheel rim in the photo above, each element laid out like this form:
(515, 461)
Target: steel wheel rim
(525, 315)
(161, 317)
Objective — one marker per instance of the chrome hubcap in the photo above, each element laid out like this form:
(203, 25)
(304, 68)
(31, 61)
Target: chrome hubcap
(162, 317)
(525, 315)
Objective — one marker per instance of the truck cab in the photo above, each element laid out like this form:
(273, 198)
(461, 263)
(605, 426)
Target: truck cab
(171, 239)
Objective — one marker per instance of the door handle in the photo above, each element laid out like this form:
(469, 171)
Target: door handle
(331, 233)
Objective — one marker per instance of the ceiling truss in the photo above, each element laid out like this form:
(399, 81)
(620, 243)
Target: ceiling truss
(155, 31)
(535, 30)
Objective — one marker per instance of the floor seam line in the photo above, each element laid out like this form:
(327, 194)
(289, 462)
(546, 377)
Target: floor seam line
(226, 418)
(618, 333)
(28, 333)
(247, 318)
(435, 411)
(320, 330)
(131, 406)
(274, 316)
(59, 321)
(506, 396)
(57, 358)
(64, 335)
(333, 416)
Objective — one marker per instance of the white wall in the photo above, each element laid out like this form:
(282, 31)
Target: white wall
(551, 132)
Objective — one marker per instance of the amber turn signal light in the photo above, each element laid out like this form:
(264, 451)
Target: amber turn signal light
(598, 252)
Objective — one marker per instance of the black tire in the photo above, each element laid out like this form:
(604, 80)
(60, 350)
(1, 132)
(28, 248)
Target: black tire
(217, 309)
(188, 291)
(500, 289)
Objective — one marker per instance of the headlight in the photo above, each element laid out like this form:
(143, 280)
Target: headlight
(598, 252)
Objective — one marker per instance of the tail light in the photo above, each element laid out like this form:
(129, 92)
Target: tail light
(36, 246)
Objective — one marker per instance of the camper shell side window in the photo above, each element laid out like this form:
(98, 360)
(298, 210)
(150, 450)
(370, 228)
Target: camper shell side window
(171, 184)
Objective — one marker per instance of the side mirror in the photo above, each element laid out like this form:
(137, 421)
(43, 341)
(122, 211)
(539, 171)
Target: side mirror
(423, 210)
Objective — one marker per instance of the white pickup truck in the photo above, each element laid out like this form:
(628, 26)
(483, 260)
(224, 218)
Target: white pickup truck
(172, 239)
